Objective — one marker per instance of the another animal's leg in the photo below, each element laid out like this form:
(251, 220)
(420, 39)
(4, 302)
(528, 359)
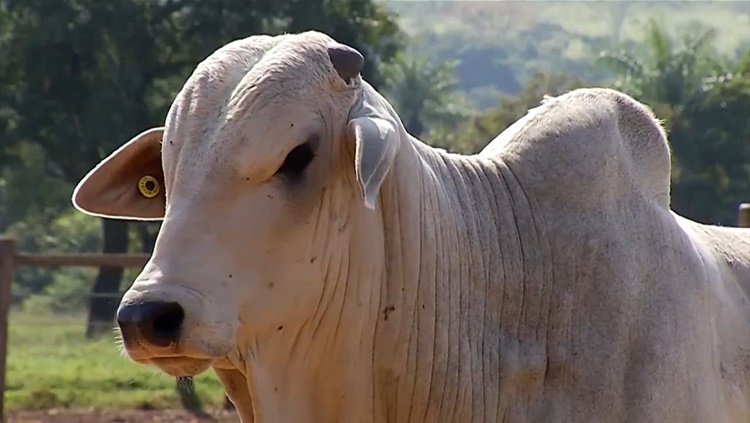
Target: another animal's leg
(235, 385)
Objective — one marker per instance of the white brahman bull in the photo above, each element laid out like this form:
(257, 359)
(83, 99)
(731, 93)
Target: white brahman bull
(332, 268)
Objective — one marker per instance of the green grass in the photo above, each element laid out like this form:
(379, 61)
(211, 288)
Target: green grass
(51, 365)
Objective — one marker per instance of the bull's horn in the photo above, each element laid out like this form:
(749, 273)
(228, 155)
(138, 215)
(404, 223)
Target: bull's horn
(346, 60)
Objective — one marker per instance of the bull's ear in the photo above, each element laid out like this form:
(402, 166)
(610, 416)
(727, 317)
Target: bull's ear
(375, 136)
(128, 184)
(377, 141)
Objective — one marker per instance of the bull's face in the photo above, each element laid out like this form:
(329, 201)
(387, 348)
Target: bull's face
(255, 179)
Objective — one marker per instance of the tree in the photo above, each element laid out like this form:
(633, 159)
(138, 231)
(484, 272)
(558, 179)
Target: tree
(664, 71)
(711, 138)
(425, 93)
(83, 76)
(480, 130)
(66, 77)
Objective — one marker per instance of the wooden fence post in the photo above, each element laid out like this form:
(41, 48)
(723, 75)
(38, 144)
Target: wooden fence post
(743, 218)
(7, 271)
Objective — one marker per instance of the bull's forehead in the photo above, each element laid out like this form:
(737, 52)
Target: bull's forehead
(247, 102)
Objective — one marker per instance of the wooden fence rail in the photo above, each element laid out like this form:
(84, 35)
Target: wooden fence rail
(84, 260)
(10, 260)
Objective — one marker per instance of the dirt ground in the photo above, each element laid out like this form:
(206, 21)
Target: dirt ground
(121, 416)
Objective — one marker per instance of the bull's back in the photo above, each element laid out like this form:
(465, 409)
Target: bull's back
(725, 255)
(727, 249)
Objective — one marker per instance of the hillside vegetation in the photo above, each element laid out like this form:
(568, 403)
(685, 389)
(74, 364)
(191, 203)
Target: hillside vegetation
(500, 45)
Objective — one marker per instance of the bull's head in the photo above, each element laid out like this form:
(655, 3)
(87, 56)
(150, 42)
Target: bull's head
(265, 175)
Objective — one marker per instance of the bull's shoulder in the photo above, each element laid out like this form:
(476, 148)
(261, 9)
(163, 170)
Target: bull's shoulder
(588, 145)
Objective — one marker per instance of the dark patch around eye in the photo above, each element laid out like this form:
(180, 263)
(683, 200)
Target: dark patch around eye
(298, 159)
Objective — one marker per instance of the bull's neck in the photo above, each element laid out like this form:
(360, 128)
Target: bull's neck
(448, 221)
(391, 340)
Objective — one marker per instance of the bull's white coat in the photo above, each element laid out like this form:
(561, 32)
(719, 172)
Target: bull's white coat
(542, 280)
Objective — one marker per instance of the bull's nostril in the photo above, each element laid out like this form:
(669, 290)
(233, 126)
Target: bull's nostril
(158, 323)
(168, 323)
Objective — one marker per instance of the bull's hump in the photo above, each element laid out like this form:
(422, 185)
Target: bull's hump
(589, 147)
(646, 142)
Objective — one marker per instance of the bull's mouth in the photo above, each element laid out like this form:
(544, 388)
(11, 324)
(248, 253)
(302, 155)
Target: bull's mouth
(178, 366)
(173, 359)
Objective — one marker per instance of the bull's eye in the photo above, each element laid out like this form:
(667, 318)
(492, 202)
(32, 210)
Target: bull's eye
(296, 161)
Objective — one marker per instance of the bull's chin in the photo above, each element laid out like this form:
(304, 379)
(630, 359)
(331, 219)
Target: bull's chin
(175, 365)
(179, 366)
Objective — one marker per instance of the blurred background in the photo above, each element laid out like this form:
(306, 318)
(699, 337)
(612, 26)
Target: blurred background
(78, 78)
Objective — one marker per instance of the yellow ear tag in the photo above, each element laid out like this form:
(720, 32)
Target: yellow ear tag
(148, 186)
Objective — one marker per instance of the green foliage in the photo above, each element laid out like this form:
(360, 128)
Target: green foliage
(68, 292)
(479, 131)
(20, 181)
(66, 233)
(502, 44)
(711, 141)
(425, 93)
(661, 71)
